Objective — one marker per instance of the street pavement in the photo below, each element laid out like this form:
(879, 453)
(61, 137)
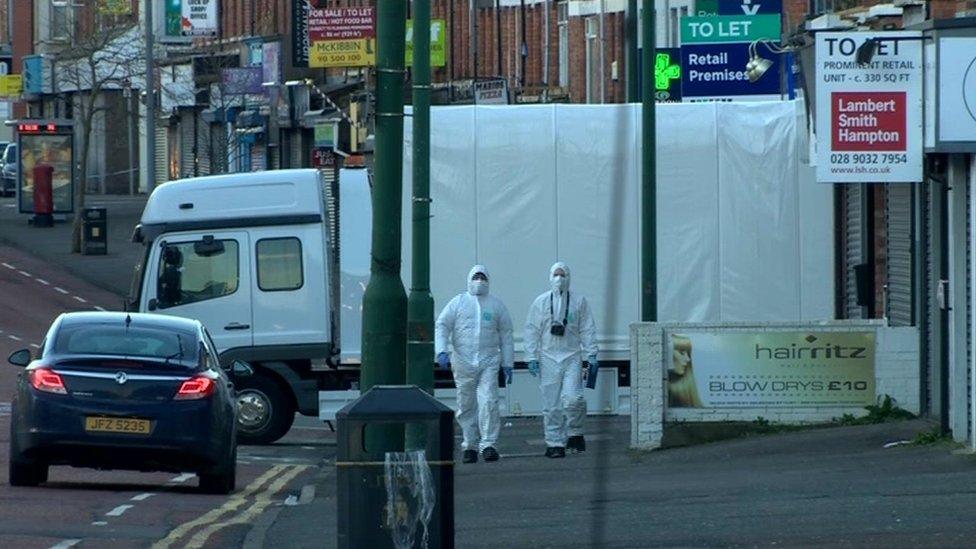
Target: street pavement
(111, 272)
(824, 487)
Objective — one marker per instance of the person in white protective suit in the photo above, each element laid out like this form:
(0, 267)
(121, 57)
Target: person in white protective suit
(479, 329)
(559, 335)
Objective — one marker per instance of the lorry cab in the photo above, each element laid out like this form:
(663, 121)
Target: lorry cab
(251, 256)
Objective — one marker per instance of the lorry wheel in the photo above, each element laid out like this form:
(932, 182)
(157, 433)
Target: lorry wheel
(264, 412)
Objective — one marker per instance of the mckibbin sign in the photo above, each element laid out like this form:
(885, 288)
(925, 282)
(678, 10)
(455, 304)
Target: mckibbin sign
(771, 369)
(869, 115)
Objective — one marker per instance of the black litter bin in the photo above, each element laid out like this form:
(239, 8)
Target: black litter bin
(95, 227)
(361, 472)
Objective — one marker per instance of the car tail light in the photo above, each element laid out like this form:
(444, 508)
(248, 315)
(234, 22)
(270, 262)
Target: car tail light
(196, 388)
(47, 381)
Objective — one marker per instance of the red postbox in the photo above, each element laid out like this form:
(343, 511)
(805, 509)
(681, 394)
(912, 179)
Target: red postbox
(43, 196)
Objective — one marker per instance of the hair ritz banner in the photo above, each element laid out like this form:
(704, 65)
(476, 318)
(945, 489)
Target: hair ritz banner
(869, 107)
(771, 369)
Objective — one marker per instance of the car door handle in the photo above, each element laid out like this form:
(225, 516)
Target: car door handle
(237, 326)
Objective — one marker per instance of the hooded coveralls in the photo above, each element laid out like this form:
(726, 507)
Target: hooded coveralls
(561, 357)
(479, 329)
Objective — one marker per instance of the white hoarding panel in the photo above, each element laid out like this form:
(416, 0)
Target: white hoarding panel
(199, 17)
(760, 267)
(688, 223)
(516, 200)
(957, 90)
(869, 115)
(738, 218)
(453, 207)
(595, 206)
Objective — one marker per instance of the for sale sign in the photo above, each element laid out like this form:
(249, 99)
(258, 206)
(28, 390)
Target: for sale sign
(342, 37)
(869, 107)
(341, 24)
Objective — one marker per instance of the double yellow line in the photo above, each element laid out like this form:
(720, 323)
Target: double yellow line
(230, 513)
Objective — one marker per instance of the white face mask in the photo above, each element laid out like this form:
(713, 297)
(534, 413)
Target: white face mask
(478, 287)
(559, 284)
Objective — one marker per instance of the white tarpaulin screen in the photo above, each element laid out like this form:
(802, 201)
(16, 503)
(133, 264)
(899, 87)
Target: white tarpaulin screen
(743, 231)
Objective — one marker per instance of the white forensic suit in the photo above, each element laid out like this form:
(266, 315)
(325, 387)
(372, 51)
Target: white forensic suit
(479, 329)
(561, 357)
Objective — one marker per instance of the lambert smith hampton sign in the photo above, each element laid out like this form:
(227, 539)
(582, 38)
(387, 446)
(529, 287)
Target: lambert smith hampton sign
(771, 369)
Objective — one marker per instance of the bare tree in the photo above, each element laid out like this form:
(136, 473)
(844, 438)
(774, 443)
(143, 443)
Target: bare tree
(204, 85)
(108, 56)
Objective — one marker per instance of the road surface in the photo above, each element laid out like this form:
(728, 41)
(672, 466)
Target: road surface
(88, 508)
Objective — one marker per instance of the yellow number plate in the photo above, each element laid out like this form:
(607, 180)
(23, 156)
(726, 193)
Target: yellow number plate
(117, 425)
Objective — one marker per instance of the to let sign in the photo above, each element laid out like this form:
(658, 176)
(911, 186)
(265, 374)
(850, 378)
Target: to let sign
(730, 28)
(869, 116)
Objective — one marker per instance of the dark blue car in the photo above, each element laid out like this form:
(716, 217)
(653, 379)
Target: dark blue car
(124, 391)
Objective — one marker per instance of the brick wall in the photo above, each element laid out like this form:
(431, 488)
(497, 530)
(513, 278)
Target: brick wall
(23, 44)
(896, 374)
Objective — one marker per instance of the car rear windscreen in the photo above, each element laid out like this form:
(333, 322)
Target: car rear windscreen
(132, 342)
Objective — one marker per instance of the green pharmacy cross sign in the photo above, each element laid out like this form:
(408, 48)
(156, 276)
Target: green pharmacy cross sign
(667, 74)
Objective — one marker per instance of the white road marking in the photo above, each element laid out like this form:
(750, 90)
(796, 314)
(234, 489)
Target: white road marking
(118, 511)
(61, 290)
(66, 543)
(99, 523)
(25, 273)
(42, 281)
(97, 308)
(80, 299)
(183, 478)
(35, 345)
(13, 337)
(9, 266)
(4, 408)
(143, 497)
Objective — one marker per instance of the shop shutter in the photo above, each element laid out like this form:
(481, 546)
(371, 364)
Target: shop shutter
(854, 237)
(899, 234)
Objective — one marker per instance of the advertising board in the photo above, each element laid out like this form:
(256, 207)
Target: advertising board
(771, 369)
(199, 18)
(869, 111)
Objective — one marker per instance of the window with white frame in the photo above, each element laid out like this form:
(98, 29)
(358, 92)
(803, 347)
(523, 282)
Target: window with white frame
(59, 20)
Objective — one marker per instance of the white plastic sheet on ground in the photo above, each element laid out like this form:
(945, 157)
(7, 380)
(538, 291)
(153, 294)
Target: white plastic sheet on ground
(744, 233)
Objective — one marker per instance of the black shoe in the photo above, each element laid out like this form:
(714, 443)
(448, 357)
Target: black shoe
(555, 452)
(470, 456)
(576, 443)
(489, 454)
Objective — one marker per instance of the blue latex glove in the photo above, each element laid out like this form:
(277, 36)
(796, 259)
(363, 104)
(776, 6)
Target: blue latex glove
(534, 368)
(508, 375)
(443, 361)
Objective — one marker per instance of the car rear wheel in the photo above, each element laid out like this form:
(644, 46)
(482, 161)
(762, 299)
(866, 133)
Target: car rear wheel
(27, 473)
(264, 412)
(222, 479)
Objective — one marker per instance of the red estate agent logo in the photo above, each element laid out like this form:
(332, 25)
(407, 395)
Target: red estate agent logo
(868, 121)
